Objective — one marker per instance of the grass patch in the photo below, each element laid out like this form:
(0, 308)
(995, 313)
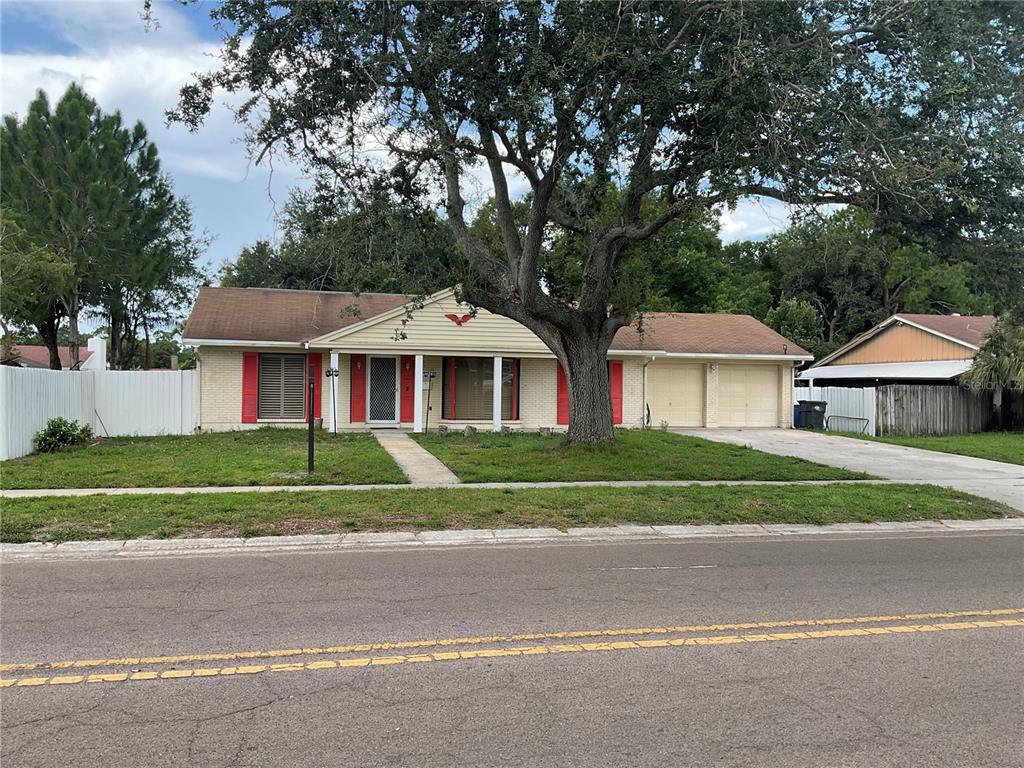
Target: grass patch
(264, 514)
(268, 456)
(996, 446)
(635, 455)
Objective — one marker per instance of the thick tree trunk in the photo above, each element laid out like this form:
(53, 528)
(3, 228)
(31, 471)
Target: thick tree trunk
(590, 404)
(48, 332)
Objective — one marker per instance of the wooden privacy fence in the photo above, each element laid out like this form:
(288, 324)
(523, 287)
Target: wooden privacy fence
(922, 409)
(112, 402)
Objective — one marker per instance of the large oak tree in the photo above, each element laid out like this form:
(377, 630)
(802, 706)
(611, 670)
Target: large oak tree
(596, 109)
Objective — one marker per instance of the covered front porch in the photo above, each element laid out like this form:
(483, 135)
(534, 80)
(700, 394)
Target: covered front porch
(382, 390)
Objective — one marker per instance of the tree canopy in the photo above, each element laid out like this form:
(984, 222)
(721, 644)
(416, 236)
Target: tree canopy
(622, 117)
(377, 244)
(90, 218)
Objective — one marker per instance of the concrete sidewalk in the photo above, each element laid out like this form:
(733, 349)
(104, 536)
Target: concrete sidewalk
(981, 477)
(146, 548)
(35, 493)
(418, 464)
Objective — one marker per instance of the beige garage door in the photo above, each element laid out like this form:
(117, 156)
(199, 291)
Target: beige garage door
(675, 393)
(748, 395)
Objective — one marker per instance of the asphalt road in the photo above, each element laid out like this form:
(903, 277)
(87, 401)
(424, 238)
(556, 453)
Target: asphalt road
(666, 685)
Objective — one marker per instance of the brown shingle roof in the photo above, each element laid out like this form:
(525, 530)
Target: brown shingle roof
(689, 332)
(966, 328)
(266, 314)
(272, 314)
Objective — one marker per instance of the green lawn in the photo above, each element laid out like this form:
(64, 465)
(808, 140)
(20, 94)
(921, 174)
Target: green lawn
(997, 446)
(635, 455)
(284, 512)
(254, 457)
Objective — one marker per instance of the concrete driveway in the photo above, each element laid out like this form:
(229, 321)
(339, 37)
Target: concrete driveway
(991, 479)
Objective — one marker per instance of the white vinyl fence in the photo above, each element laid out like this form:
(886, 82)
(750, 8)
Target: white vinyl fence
(848, 409)
(112, 402)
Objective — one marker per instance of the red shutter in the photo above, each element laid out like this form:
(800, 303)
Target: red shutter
(250, 387)
(408, 379)
(563, 395)
(314, 361)
(357, 410)
(615, 375)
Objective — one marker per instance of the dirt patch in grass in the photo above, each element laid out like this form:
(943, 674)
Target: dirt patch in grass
(71, 530)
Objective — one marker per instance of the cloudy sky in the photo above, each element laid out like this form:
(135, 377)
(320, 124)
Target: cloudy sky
(106, 48)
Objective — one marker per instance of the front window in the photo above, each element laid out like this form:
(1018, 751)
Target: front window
(282, 387)
(467, 389)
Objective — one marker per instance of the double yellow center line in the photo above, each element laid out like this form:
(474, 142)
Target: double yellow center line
(641, 638)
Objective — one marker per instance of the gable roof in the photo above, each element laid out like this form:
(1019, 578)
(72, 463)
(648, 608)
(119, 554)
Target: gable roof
(287, 317)
(38, 356)
(279, 315)
(966, 330)
(698, 334)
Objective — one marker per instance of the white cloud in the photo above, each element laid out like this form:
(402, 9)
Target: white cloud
(755, 218)
(126, 68)
(96, 25)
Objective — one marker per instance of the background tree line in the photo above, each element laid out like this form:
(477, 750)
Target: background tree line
(91, 227)
(822, 281)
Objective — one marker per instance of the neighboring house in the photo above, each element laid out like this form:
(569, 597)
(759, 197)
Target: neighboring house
(904, 349)
(38, 356)
(253, 347)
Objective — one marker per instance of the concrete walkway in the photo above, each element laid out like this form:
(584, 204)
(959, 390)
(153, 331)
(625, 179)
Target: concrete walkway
(991, 479)
(34, 493)
(148, 548)
(418, 464)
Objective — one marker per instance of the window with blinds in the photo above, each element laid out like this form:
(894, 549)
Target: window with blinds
(282, 387)
(468, 388)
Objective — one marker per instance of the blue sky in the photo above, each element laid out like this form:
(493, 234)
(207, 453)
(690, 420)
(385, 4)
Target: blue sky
(105, 47)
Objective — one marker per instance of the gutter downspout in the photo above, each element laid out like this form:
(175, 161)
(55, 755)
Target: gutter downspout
(646, 415)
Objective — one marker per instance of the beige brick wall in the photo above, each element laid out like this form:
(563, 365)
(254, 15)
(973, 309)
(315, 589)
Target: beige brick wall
(711, 395)
(220, 396)
(786, 396)
(538, 393)
(632, 392)
(220, 388)
(220, 391)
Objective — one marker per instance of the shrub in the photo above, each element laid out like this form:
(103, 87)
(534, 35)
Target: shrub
(61, 433)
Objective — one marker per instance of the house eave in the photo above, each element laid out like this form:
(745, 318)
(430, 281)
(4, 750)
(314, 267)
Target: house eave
(242, 343)
(735, 356)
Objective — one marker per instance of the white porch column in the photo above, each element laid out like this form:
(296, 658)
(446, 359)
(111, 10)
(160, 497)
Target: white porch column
(417, 399)
(335, 383)
(496, 407)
